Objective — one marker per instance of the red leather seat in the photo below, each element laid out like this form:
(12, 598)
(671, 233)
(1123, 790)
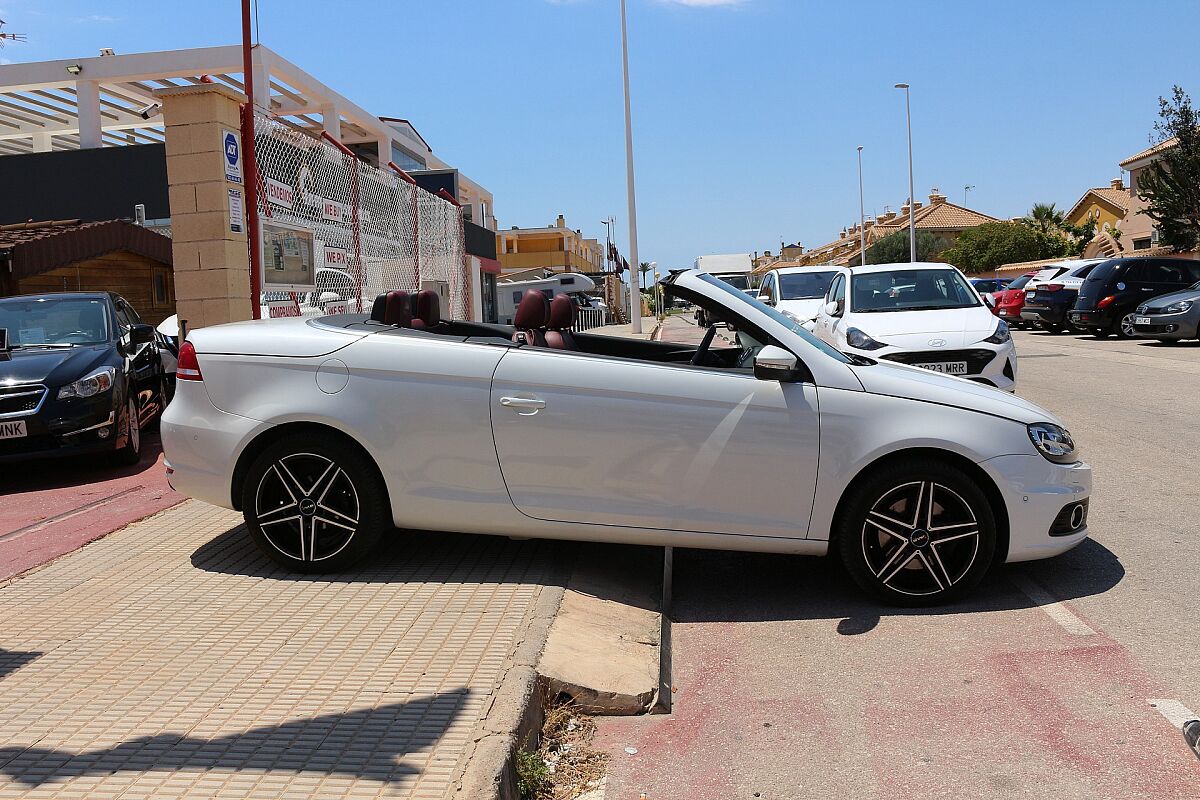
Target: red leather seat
(533, 313)
(562, 319)
(393, 308)
(428, 311)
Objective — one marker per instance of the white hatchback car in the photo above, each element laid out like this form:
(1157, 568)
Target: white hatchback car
(796, 292)
(923, 314)
(330, 433)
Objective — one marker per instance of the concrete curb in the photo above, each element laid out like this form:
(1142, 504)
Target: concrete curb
(487, 770)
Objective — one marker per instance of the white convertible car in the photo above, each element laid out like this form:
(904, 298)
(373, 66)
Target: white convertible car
(329, 432)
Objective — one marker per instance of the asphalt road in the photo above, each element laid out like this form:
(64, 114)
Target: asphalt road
(791, 685)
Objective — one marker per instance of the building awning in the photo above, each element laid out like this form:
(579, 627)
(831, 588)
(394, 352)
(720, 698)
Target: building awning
(36, 247)
(489, 265)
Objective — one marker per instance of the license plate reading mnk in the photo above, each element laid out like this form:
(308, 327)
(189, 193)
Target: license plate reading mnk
(12, 430)
(946, 367)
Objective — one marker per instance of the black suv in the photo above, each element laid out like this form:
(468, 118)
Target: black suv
(80, 373)
(1114, 289)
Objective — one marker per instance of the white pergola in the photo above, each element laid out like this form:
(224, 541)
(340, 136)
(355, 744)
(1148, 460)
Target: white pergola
(109, 101)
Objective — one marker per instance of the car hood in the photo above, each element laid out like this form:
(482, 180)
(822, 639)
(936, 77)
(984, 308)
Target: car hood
(801, 309)
(914, 330)
(1174, 297)
(54, 366)
(290, 336)
(913, 383)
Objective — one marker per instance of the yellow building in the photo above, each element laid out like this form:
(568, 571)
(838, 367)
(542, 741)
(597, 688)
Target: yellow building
(556, 248)
(1106, 205)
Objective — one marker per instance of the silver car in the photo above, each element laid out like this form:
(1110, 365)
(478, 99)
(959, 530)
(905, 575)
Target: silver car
(1172, 316)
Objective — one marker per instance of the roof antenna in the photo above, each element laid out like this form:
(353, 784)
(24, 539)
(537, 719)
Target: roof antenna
(10, 37)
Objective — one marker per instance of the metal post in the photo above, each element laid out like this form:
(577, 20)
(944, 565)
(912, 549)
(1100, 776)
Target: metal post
(635, 297)
(862, 215)
(665, 688)
(912, 222)
(250, 170)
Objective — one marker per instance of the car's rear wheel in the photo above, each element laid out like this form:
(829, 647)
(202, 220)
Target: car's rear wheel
(314, 505)
(1123, 326)
(1050, 327)
(917, 533)
(131, 452)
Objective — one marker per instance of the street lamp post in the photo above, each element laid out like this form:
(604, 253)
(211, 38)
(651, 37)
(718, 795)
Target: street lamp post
(607, 223)
(635, 298)
(862, 215)
(966, 189)
(912, 223)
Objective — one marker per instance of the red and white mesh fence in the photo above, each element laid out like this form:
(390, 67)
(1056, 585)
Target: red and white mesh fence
(371, 230)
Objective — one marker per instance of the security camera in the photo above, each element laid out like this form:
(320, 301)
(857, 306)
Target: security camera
(152, 110)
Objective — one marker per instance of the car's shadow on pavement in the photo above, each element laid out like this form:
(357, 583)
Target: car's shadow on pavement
(360, 744)
(60, 473)
(716, 586)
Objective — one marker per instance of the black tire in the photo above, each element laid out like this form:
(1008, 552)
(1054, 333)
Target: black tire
(1052, 328)
(1122, 326)
(914, 563)
(129, 453)
(1100, 333)
(314, 505)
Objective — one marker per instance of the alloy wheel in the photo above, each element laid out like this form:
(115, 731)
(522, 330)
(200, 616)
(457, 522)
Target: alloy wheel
(134, 427)
(307, 507)
(1127, 329)
(920, 538)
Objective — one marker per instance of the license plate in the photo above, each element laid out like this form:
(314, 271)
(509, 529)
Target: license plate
(1141, 320)
(1031, 293)
(12, 430)
(947, 367)
(1004, 312)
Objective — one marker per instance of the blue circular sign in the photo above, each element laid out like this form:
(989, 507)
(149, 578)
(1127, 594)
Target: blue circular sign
(231, 148)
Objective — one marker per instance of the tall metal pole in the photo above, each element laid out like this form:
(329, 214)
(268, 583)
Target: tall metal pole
(862, 215)
(912, 222)
(251, 168)
(635, 297)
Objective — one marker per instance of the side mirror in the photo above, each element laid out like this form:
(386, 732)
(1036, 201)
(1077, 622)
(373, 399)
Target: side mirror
(141, 334)
(834, 308)
(776, 364)
(990, 299)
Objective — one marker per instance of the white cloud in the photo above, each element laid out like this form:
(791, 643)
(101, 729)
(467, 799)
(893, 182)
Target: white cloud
(94, 18)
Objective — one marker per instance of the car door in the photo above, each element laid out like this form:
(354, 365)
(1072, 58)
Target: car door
(766, 291)
(614, 441)
(143, 359)
(826, 322)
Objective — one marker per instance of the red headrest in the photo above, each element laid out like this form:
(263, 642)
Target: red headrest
(398, 309)
(562, 313)
(429, 308)
(533, 311)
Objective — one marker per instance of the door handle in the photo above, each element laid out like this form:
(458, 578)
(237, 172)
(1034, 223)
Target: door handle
(532, 405)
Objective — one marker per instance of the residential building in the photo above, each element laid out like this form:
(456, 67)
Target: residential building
(1104, 205)
(556, 248)
(945, 220)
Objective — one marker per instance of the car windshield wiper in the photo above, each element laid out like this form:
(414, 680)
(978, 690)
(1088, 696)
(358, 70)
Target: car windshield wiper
(907, 308)
(42, 344)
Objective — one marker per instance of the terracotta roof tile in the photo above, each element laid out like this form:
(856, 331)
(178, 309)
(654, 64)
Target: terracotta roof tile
(1149, 151)
(1118, 198)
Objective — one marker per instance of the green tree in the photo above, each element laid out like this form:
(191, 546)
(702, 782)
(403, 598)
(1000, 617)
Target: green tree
(1045, 218)
(644, 268)
(895, 248)
(1171, 185)
(992, 244)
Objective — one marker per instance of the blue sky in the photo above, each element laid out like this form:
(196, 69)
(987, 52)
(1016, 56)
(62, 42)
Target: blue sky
(746, 114)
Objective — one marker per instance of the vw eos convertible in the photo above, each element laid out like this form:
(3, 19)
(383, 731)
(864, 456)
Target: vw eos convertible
(330, 432)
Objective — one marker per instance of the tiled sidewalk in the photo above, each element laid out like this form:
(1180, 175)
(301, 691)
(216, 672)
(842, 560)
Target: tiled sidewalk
(171, 660)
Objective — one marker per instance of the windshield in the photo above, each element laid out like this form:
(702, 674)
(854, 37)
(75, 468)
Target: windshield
(1019, 283)
(911, 290)
(737, 281)
(804, 285)
(54, 321)
(763, 308)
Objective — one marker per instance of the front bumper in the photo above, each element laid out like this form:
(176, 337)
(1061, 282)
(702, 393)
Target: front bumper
(1036, 492)
(990, 364)
(1169, 326)
(65, 428)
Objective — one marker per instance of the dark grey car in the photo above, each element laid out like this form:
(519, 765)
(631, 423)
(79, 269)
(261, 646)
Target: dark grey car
(1172, 316)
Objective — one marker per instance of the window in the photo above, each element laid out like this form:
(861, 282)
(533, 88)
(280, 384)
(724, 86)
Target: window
(1141, 244)
(911, 290)
(804, 285)
(160, 288)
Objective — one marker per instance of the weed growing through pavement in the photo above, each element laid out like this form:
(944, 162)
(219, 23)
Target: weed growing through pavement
(566, 752)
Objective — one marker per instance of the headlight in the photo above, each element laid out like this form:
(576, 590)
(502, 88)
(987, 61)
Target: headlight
(1178, 308)
(1001, 335)
(860, 341)
(99, 381)
(1054, 442)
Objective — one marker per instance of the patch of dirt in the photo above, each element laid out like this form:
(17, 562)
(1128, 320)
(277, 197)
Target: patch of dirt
(574, 767)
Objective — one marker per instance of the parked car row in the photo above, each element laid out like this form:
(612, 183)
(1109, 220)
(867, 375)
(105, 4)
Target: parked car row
(1155, 298)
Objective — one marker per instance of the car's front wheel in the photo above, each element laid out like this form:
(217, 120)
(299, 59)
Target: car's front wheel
(917, 533)
(312, 504)
(130, 452)
(1123, 326)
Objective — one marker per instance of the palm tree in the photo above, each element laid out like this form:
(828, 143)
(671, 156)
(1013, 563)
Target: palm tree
(1045, 218)
(643, 268)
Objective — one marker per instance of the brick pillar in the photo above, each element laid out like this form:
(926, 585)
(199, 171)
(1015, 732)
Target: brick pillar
(212, 262)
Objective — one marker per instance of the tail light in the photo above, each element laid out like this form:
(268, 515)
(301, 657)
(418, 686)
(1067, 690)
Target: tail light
(1052, 287)
(188, 367)
(1106, 302)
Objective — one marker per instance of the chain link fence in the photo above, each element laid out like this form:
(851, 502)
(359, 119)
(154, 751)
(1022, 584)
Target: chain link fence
(333, 221)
